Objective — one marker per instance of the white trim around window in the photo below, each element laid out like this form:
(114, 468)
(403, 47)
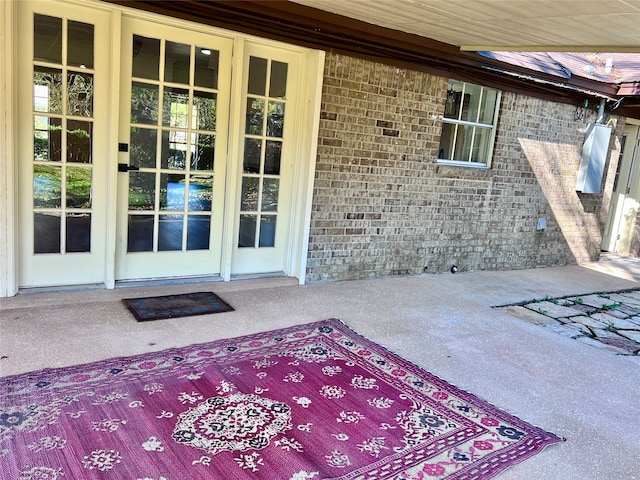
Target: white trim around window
(468, 125)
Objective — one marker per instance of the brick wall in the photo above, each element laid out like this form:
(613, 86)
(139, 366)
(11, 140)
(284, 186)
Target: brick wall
(382, 206)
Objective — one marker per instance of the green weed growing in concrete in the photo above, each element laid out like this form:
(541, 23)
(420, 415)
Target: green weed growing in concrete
(610, 306)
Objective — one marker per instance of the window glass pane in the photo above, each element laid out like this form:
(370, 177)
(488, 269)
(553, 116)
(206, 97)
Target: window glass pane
(272, 157)
(78, 187)
(47, 137)
(249, 200)
(278, 84)
(78, 233)
(79, 141)
(146, 57)
(204, 111)
(177, 57)
(267, 231)
(47, 186)
(471, 102)
(172, 191)
(80, 44)
(270, 194)
(257, 76)
(203, 151)
(140, 233)
(255, 116)
(170, 232)
(46, 233)
(480, 148)
(488, 105)
(447, 141)
(47, 38)
(206, 72)
(80, 94)
(198, 232)
(200, 193)
(252, 152)
(175, 107)
(275, 120)
(174, 150)
(47, 90)
(247, 234)
(142, 190)
(144, 103)
(143, 147)
(453, 102)
(464, 143)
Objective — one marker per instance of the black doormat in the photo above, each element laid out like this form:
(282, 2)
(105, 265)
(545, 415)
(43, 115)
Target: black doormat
(173, 306)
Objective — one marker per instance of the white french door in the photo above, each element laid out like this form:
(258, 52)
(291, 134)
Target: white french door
(153, 148)
(625, 200)
(266, 160)
(63, 153)
(174, 111)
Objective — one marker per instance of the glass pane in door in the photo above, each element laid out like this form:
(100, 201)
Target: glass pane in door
(63, 135)
(264, 130)
(172, 143)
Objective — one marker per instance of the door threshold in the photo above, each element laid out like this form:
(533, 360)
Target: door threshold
(152, 282)
(60, 288)
(250, 276)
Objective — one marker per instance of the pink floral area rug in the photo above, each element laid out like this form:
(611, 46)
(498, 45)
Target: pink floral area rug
(315, 401)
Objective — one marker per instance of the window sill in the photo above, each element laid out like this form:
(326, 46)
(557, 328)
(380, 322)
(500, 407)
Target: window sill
(463, 170)
(454, 163)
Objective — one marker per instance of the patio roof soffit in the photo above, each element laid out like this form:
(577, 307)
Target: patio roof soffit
(313, 28)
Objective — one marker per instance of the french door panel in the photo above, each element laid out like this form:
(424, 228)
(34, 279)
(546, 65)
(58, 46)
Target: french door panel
(64, 156)
(267, 156)
(175, 87)
(624, 203)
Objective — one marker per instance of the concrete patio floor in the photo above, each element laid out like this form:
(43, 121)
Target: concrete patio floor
(444, 323)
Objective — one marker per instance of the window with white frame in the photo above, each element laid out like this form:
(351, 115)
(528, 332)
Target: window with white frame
(468, 124)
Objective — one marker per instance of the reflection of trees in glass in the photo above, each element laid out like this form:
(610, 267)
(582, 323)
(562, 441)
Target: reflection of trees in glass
(175, 107)
(144, 103)
(80, 94)
(47, 92)
(204, 155)
(272, 157)
(78, 187)
(174, 150)
(200, 193)
(142, 188)
(47, 186)
(172, 191)
(79, 142)
(255, 115)
(47, 138)
(204, 111)
(250, 194)
(270, 189)
(143, 147)
(275, 119)
(252, 153)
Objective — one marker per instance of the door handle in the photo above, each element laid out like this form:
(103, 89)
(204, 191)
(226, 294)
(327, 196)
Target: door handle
(123, 167)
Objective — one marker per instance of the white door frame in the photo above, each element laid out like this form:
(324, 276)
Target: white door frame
(618, 232)
(8, 132)
(311, 79)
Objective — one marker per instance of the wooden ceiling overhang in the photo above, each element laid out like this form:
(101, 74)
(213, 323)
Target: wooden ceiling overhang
(313, 28)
